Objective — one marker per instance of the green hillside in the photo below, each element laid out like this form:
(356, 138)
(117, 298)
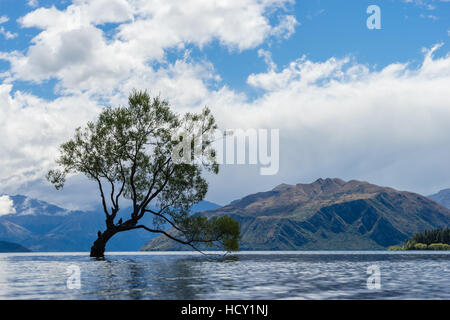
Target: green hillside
(329, 214)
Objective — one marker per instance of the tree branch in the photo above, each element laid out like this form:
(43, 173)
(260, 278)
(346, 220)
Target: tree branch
(165, 218)
(189, 243)
(149, 197)
(105, 209)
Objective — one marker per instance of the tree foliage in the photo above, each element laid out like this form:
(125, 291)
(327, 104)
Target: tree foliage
(433, 236)
(437, 239)
(128, 152)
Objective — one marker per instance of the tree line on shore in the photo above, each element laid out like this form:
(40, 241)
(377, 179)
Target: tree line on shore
(438, 239)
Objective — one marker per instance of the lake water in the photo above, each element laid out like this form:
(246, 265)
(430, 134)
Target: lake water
(246, 275)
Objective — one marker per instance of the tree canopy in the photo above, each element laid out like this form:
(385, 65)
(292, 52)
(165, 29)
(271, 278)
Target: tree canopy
(432, 236)
(133, 152)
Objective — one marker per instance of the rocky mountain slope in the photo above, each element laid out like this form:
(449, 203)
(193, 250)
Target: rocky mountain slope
(327, 214)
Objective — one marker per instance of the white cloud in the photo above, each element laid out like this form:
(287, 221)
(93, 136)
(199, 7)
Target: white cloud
(302, 72)
(33, 3)
(286, 28)
(7, 34)
(236, 24)
(34, 129)
(3, 19)
(6, 206)
(337, 118)
(73, 49)
(267, 56)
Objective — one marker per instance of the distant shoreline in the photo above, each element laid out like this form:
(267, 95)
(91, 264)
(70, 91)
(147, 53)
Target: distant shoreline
(11, 247)
(219, 253)
(422, 246)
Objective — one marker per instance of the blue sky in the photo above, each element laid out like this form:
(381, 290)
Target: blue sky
(326, 28)
(338, 28)
(252, 61)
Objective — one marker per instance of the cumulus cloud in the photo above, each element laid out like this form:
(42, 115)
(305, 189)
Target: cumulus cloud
(73, 48)
(6, 206)
(34, 129)
(302, 72)
(337, 117)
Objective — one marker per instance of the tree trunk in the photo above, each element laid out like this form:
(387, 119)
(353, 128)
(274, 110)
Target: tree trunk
(98, 248)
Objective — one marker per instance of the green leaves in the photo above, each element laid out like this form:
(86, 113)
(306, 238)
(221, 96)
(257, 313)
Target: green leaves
(229, 231)
(57, 178)
(128, 151)
(223, 230)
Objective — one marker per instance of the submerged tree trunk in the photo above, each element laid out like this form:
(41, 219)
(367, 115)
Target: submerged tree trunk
(98, 248)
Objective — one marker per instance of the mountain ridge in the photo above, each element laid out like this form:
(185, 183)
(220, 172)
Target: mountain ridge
(442, 197)
(327, 214)
(41, 226)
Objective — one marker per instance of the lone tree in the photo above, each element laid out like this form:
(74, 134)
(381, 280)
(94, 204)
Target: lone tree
(133, 153)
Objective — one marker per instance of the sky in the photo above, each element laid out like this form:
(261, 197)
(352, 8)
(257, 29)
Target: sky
(349, 101)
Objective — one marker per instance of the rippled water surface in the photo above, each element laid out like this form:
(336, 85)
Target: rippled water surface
(256, 275)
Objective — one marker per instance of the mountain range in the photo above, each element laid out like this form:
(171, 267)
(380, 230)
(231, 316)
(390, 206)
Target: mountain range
(442, 197)
(328, 214)
(41, 226)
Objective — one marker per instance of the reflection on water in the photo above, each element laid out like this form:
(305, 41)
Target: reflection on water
(263, 275)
